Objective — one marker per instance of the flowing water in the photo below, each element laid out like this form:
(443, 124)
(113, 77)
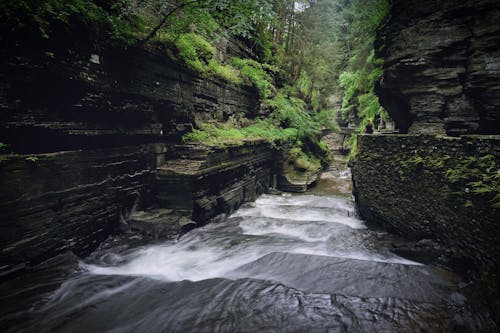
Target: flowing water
(285, 263)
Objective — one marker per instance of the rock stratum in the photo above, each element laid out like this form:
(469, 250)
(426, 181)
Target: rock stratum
(442, 66)
(92, 131)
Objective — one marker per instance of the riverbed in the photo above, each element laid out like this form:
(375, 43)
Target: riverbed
(284, 263)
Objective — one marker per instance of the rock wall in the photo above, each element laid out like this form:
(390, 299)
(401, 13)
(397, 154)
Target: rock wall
(438, 188)
(209, 181)
(113, 97)
(86, 130)
(442, 66)
(54, 202)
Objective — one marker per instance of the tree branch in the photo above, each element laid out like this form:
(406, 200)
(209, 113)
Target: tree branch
(163, 21)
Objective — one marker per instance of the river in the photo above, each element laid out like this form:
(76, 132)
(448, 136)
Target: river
(285, 263)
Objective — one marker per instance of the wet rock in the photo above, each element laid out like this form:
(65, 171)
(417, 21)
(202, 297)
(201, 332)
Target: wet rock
(295, 178)
(69, 200)
(426, 251)
(441, 63)
(88, 128)
(207, 181)
(159, 224)
(405, 184)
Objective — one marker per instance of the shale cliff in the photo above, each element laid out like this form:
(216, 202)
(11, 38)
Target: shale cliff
(442, 66)
(89, 126)
(433, 188)
(438, 184)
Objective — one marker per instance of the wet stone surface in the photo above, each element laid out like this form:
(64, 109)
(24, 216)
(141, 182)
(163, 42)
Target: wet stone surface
(285, 263)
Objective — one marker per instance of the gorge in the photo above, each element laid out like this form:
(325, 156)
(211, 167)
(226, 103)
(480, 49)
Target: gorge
(143, 190)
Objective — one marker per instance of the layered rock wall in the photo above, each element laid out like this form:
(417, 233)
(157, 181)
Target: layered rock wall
(86, 130)
(428, 187)
(55, 202)
(210, 181)
(442, 66)
(114, 97)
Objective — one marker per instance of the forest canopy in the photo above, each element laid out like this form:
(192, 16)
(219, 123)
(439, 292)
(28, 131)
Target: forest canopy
(304, 52)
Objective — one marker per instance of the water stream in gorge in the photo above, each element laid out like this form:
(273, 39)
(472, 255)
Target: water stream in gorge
(285, 263)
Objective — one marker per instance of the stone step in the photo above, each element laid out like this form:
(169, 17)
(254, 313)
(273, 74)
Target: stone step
(211, 180)
(351, 277)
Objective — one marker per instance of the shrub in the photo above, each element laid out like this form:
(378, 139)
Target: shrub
(290, 112)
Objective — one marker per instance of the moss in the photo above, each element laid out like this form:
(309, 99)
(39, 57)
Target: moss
(302, 161)
(226, 72)
(481, 174)
(195, 51)
(224, 134)
(215, 135)
(254, 72)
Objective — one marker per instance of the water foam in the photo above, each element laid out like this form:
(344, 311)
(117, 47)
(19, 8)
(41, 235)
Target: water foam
(301, 213)
(304, 224)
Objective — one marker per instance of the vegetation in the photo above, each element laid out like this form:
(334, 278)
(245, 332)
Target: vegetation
(254, 73)
(288, 126)
(481, 174)
(3, 147)
(363, 69)
(305, 51)
(195, 51)
(46, 18)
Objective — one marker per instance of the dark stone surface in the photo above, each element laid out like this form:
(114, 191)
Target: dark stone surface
(131, 96)
(69, 200)
(159, 224)
(209, 181)
(400, 182)
(442, 66)
(87, 127)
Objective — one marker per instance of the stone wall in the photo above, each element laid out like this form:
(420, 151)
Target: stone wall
(442, 66)
(426, 187)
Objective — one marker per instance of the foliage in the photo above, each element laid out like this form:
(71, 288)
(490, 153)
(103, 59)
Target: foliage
(254, 72)
(213, 135)
(3, 147)
(302, 160)
(195, 51)
(220, 135)
(283, 36)
(32, 159)
(326, 119)
(226, 72)
(359, 86)
(363, 70)
(353, 144)
(288, 122)
(44, 17)
(482, 174)
(290, 111)
(265, 129)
